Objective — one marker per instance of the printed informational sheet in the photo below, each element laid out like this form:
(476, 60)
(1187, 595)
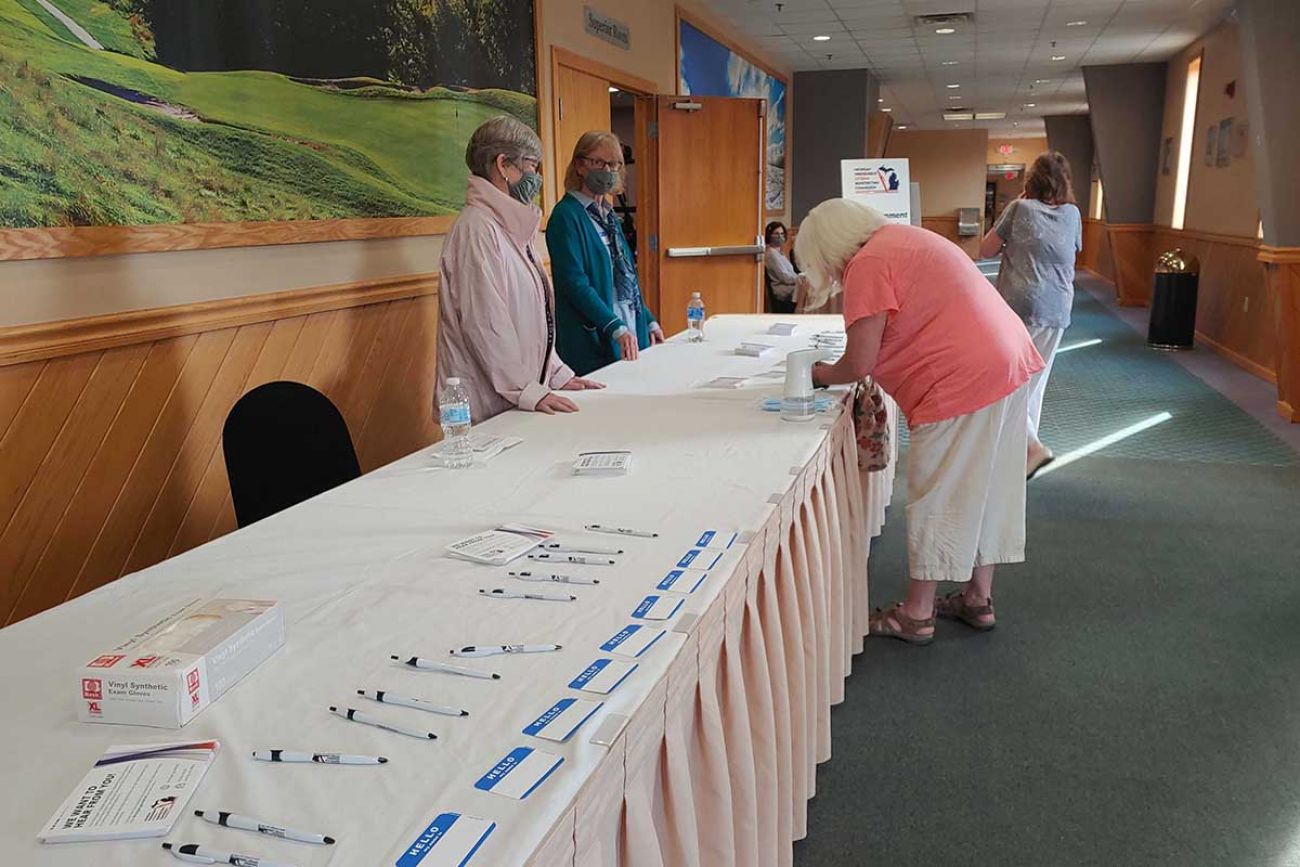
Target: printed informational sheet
(602, 464)
(450, 840)
(132, 791)
(520, 773)
(498, 547)
(884, 184)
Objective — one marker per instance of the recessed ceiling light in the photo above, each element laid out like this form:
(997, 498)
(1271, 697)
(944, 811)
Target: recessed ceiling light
(821, 39)
(902, 126)
(951, 62)
(1030, 104)
(1058, 57)
(880, 99)
(944, 31)
(1075, 23)
(953, 86)
(1042, 80)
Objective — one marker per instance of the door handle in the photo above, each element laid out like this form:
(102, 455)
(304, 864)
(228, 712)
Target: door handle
(735, 250)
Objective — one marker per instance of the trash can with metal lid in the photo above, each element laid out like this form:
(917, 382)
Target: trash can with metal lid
(1173, 301)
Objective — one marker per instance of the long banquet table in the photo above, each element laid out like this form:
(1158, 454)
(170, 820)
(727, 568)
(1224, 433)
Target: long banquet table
(711, 744)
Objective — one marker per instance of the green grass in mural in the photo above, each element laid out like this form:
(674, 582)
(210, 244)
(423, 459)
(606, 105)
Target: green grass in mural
(110, 27)
(97, 137)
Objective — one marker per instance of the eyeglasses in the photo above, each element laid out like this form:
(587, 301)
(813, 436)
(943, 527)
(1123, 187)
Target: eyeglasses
(529, 164)
(616, 165)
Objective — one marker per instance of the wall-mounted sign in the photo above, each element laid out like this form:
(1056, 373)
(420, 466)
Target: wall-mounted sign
(882, 184)
(606, 28)
(1221, 159)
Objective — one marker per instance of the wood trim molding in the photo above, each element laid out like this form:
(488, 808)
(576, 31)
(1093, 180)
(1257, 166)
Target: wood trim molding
(1237, 358)
(626, 80)
(46, 340)
(1210, 237)
(1279, 255)
(941, 219)
(59, 242)
(1121, 228)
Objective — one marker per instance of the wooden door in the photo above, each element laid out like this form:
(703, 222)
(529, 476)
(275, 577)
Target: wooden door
(709, 215)
(581, 104)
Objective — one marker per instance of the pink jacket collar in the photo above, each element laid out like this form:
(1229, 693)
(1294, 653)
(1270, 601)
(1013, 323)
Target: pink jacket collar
(520, 221)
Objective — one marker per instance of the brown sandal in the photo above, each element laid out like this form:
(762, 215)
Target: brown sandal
(908, 630)
(954, 607)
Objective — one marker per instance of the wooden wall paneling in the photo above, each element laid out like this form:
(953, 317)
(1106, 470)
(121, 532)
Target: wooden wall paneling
(1133, 248)
(405, 398)
(947, 226)
(355, 396)
(54, 578)
(16, 383)
(118, 535)
(405, 314)
(37, 423)
(1282, 271)
(60, 470)
(302, 358)
(203, 439)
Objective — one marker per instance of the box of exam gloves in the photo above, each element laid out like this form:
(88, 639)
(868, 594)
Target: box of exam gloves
(166, 674)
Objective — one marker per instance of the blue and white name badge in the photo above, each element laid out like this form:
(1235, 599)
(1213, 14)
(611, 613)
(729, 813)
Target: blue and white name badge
(632, 641)
(682, 580)
(700, 558)
(562, 719)
(451, 840)
(520, 773)
(603, 676)
(719, 539)
(658, 607)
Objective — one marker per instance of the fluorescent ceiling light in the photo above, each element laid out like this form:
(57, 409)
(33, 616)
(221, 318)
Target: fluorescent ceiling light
(954, 97)
(944, 31)
(902, 126)
(953, 86)
(1042, 81)
(1030, 104)
(1056, 57)
(958, 115)
(1075, 23)
(886, 109)
(990, 115)
(951, 62)
(821, 39)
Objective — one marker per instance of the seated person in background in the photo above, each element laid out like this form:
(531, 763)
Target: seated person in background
(601, 316)
(779, 273)
(496, 322)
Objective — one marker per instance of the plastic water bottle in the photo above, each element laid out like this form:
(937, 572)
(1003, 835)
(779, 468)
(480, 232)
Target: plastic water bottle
(695, 318)
(453, 412)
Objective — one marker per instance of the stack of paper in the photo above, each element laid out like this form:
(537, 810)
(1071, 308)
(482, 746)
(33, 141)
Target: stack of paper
(602, 464)
(132, 791)
(754, 348)
(783, 329)
(498, 547)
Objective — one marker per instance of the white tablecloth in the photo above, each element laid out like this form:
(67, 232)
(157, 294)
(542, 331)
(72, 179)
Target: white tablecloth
(719, 729)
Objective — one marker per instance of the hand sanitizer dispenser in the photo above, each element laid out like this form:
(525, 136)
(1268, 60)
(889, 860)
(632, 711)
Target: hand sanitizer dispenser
(798, 400)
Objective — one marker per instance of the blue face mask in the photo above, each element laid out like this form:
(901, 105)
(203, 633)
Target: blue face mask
(601, 181)
(526, 188)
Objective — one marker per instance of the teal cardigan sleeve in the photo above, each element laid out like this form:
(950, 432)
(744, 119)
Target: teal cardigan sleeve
(569, 268)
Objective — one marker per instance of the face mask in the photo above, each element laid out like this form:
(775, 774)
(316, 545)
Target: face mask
(526, 188)
(601, 181)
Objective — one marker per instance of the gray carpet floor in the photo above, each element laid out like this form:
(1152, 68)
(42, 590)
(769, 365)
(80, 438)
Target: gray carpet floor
(1139, 702)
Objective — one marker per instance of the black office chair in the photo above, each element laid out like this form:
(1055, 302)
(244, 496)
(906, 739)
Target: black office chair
(284, 442)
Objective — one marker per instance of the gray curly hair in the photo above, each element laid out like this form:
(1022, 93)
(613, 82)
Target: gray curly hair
(500, 135)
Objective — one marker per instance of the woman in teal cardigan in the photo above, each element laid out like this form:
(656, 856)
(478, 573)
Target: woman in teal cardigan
(600, 315)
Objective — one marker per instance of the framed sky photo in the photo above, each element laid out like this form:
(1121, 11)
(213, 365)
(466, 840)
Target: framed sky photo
(133, 125)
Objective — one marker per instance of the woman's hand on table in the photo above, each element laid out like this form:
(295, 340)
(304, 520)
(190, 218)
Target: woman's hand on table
(580, 384)
(656, 334)
(627, 346)
(553, 403)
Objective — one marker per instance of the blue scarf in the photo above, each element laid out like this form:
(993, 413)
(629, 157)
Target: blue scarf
(626, 287)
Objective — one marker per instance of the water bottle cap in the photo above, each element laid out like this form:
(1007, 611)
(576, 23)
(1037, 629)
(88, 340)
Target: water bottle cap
(695, 294)
(453, 380)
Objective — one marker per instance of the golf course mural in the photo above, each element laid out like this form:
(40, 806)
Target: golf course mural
(149, 112)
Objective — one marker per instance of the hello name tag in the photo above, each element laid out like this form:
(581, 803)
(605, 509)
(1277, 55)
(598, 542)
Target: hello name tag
(633, 640)
(603, 676)
(682, 581)
(699, 558)
(563, 719)
(450, 840)
(520, 773)
(721, 539)
(658, 607)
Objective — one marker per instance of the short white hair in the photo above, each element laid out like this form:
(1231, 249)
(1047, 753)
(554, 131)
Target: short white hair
(828, 238)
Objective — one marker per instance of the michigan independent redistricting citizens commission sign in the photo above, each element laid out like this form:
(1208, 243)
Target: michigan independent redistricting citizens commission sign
(883, 184)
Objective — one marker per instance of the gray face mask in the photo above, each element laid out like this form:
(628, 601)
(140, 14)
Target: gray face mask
(526, 188)
(601, 181)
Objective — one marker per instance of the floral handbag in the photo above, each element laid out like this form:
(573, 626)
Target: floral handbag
(871, 427)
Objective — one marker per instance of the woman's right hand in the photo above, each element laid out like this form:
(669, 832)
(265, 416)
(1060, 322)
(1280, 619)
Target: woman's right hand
(553, 403)
(627, 346)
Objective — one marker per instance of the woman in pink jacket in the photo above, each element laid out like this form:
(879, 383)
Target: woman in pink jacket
(496, 314)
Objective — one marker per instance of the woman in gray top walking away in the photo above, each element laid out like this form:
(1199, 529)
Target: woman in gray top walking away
(1038, 235)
